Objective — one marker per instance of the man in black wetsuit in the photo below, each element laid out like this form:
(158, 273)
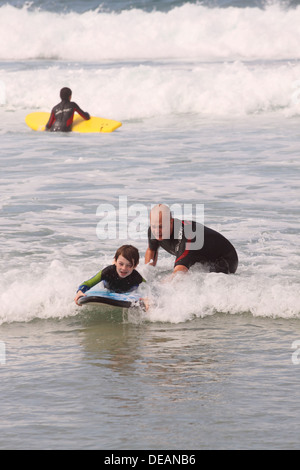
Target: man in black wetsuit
(61, 117)
(179, 238)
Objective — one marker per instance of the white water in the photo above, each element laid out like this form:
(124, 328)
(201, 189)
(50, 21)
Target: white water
(52, 190)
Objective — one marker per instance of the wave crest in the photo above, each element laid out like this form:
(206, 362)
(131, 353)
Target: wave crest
(188, 31)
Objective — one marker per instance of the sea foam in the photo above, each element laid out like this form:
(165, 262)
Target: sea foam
(48, 291)
(143, 91)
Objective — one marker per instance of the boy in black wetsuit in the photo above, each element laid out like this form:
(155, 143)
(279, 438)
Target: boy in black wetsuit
(61, 117)
(118, 277)
(179, 238)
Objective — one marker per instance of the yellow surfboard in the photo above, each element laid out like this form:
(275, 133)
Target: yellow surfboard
(38, 121)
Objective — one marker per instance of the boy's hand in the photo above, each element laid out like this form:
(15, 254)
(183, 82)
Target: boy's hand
(77, 296)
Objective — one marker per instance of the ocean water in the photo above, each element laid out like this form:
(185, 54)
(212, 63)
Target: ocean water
(208, 94)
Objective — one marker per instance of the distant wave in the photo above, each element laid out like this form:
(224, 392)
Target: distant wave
(187, 31)
(134, 64)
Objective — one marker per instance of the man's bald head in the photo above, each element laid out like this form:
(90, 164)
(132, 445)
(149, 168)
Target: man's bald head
(161, 222)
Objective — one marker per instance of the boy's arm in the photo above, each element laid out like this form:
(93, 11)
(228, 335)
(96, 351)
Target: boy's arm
(86, 285)
(82, 113)
(51, 121)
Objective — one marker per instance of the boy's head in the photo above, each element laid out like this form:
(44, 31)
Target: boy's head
(65, 94)
(126, 259)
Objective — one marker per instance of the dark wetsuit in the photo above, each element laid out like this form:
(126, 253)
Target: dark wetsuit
(113, 281)
(61, 117)
(217, 253)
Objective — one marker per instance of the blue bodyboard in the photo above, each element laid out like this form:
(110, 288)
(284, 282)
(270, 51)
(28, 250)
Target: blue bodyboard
(116, 299)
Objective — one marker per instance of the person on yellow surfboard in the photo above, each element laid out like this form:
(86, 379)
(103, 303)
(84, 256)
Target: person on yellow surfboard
(61, 117)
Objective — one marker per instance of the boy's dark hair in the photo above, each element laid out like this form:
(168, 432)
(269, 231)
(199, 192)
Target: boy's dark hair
(130, 253)
(65, 93)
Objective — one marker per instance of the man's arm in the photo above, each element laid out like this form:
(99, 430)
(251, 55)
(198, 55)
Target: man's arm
(151, 257)
(180, 268)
